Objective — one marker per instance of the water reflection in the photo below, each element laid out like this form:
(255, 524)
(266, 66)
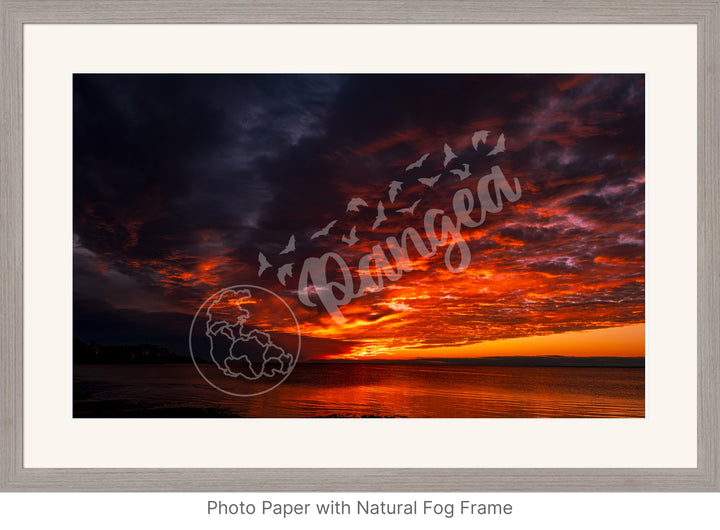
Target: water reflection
(367, 390)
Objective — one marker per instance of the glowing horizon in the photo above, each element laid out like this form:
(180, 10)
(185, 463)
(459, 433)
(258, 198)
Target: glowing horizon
(620, 341)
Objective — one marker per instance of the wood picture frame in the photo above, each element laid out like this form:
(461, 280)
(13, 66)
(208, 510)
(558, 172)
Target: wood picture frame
(14, 14)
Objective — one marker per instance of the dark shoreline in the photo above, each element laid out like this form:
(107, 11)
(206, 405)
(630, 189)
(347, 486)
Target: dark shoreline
(555, 361)
(519, 360)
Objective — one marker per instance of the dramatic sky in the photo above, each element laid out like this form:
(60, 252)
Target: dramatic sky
(181, 181)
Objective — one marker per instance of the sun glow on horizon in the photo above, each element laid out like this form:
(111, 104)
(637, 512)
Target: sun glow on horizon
(620, 341)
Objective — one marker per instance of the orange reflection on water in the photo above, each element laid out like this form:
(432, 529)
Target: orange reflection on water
(376, 390)
(356, 390)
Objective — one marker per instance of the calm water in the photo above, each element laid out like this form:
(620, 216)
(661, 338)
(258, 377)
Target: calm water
(366, 390)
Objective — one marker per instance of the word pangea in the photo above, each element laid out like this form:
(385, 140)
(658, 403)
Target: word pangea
(388, 262)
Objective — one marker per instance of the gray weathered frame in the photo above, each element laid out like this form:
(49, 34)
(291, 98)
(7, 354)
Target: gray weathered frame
(15, 13)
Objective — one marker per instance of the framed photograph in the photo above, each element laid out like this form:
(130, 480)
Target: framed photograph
(450, 249)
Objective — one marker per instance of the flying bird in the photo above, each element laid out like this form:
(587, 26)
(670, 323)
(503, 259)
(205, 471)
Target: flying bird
(449, 155)
(499, 147)
(411, 209)
(290, 247)
(284, 273)
(351, 239)
(354, 203)
(418, 163)
(380, 215)
(462, 173)
(430, 182)
(395, 186)
(325, 231)
(479, 136)
(264, 263)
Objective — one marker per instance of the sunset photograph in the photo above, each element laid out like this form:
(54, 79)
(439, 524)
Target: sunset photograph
(358, 245)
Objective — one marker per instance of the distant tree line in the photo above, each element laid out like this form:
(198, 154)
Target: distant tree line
(93, 353)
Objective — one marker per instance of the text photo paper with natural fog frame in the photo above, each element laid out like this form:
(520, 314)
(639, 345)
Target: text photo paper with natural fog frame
(358, 246)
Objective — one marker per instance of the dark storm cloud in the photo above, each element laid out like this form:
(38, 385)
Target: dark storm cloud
(529, 234)
(159, 158)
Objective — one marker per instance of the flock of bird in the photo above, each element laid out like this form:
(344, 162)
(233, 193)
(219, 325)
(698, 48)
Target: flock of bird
(285, 271)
